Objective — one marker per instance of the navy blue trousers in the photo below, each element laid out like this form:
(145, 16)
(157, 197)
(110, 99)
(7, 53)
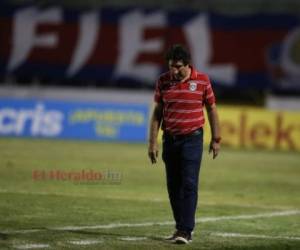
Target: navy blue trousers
(182, 157)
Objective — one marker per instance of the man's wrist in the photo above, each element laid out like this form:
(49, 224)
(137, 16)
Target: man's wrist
(152, 142)
(216, 139)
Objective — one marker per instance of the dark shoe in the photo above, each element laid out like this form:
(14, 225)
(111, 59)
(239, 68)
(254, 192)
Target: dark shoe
(183, 237)
(173, 236)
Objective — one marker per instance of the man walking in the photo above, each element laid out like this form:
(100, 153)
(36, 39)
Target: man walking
(180, 96)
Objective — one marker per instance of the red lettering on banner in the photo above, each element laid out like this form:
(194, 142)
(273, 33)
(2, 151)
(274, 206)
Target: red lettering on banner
(227, 131)
(243, 129)
(259, 133)
(283, 134)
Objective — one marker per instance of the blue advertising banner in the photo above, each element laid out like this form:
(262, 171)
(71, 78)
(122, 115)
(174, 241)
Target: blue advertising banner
(73, 120)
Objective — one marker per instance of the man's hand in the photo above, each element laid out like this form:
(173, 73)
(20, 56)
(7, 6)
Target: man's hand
(154, 127)
(153, 152)
(214, 147)
(213, 119)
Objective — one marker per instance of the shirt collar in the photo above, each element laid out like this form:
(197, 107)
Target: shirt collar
(193, 73)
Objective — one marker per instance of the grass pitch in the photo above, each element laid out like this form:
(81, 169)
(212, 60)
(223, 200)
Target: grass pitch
(247, 199)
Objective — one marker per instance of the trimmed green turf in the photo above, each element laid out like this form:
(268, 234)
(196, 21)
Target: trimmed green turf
(236, 183)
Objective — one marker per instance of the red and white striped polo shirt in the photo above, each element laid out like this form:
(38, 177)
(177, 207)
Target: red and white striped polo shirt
(183, 102)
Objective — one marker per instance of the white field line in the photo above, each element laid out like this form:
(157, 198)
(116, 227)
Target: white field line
(256, 236)
(31, 246)
(163, 223)
(128, 238)
(199, 220)
(251, 216)
(85, 242)
(132, 238)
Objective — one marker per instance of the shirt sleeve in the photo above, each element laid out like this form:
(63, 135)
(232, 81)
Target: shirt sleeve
(209, 94)
(157, 95)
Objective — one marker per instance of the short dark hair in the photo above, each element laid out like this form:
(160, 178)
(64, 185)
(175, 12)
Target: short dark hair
(178, 52)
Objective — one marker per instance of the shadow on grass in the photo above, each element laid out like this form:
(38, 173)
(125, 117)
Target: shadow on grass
(3, 236)
(111, 234)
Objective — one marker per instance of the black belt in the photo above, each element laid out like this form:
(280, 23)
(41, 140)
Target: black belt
(178, 137)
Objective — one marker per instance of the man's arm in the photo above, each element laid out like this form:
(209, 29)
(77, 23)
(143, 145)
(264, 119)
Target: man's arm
(154, 127)
(213, 119)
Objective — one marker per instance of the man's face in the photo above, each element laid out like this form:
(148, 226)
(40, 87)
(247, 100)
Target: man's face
(178, 70)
